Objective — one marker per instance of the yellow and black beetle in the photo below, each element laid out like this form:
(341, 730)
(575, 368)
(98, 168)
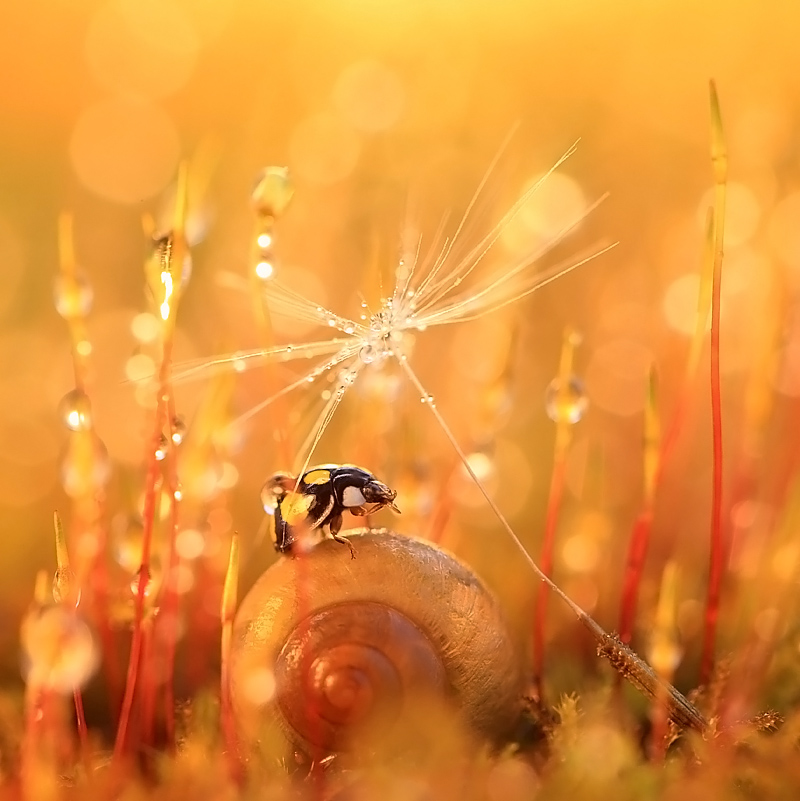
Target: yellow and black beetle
(319, 498)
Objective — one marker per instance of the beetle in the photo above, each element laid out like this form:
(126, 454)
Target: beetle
(319, 498)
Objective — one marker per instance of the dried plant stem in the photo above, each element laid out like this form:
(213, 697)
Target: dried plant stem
(623, 659)
(717, 555)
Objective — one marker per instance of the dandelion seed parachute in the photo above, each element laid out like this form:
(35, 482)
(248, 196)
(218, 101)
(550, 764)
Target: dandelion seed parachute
(426, 293)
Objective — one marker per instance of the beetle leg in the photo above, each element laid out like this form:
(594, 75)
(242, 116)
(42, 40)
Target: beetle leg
(282, 534)
(358, 511)
(336, 524)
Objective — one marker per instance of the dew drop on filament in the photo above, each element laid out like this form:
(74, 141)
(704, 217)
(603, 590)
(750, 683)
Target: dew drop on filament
(178, 430)
(73, 295)
(567, 404)
(76, 410)
(265, 269)
(161, 450)
(367, 354)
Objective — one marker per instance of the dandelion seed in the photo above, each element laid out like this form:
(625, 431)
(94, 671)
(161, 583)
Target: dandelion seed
(442, 288)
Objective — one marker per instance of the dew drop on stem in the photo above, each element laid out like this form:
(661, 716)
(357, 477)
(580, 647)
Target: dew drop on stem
(178, 430)
(76, 410)
(566, 404)
(73, 295)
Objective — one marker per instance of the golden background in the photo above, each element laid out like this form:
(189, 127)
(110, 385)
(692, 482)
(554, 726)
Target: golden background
(378, 108)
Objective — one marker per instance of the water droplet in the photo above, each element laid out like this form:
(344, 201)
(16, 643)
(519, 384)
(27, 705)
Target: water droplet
(178, 494)
(332, 322)
(289, 349)
(363, 304)
(264, 241)
(73, 295)
(59, 650)
(149, 588)
(348, 329)
(161, 450)
(347, 378)
(178, 430)
(273, 192)
(568, 404)
(428, 399)
(367, 354)
(76, 410)
(265, 270)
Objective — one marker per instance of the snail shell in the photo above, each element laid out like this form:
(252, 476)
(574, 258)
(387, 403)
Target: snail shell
(348, 643)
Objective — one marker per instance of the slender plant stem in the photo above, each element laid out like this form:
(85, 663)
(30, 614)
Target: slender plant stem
(622, 658)
(637, 554)
(149, 515)
(171, 596)
(717, 555)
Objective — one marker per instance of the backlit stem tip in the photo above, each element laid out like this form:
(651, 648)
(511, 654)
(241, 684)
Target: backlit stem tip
(719, 152)
(231, 587)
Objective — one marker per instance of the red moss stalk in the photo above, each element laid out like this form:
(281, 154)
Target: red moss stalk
(564, 424)
(717, 556)
(171, 595)
(640, 535)
(148, 516)
(654, 455)
(164, 277)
